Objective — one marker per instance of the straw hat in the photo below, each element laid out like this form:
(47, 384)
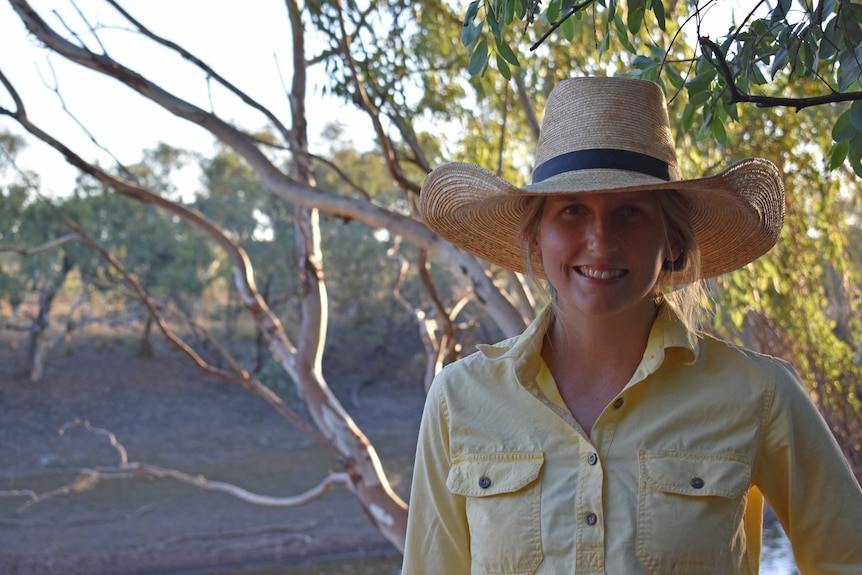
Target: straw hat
(605, 135)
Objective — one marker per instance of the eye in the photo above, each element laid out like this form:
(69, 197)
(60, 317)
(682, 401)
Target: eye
(574, 209)
(631, 210)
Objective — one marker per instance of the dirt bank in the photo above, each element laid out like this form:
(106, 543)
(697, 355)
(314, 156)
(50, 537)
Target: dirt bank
(167, 413)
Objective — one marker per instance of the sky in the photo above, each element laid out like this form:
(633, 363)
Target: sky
(246, 42)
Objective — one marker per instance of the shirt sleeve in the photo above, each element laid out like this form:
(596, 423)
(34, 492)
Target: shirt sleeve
(438, 537)
(805, 478)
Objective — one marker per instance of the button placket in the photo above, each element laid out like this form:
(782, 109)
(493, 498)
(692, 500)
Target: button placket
(589, 505)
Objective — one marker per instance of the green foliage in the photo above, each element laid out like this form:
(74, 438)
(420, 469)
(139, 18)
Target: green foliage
(801, 301)
(767, 54)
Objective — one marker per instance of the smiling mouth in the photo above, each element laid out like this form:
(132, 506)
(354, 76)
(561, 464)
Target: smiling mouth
(599, 274)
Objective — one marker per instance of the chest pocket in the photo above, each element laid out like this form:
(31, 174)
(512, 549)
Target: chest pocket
(503, 492)
(690, 510)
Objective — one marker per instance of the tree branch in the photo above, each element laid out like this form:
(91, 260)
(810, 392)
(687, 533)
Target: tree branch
(736, 95)
(49, 245)
(574, 10)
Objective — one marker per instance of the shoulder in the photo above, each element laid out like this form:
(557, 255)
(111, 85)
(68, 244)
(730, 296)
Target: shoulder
(470, 374)
(726, 356)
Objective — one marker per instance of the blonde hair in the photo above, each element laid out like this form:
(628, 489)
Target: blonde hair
(687, 299)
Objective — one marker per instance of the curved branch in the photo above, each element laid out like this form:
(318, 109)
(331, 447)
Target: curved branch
(245, 145)
(466, 267)
(283, 130)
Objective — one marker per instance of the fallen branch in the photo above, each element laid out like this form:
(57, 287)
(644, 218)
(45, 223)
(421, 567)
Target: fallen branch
(89, 478)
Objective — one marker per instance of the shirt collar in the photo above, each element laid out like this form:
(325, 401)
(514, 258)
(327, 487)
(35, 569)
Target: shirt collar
(667, 333)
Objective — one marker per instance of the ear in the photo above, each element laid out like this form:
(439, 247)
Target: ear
(675, 254)
(535, 248)
(676, 251)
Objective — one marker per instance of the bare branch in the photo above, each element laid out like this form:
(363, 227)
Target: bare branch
(283, 130)
(112, 439)
(49, 245)
(365, 103)
(89, 478)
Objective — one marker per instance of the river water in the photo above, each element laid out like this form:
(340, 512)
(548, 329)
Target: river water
(776, 559)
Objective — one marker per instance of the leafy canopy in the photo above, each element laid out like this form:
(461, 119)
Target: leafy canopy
(760, 59)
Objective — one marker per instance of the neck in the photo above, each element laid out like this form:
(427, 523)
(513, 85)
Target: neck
(593, 358)
(602, 350)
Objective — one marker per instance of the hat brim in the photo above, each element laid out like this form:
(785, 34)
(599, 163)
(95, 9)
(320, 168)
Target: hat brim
(736, 214)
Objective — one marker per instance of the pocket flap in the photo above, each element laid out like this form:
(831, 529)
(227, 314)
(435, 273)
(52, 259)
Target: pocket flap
(691, 473)
(484, 474)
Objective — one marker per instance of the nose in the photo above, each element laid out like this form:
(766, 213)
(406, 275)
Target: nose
(599, 233)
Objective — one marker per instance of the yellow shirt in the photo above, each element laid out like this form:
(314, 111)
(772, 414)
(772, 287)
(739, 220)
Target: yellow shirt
(672, 479)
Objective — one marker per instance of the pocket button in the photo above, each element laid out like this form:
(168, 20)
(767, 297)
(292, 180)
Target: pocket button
(697, 482)
(484, 482)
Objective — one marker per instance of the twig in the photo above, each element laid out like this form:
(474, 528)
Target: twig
(574, 9)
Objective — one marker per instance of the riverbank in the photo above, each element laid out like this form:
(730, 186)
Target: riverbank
(166, 412)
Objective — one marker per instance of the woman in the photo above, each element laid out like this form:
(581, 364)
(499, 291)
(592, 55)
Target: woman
(611, 437)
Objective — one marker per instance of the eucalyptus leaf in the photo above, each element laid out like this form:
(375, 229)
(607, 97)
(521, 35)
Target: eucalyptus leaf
(676, 80)
(568, 28)
(507, 53)
(603, 45)
(843, 130)
(856, 114)
(688, 117)
(642, 62)
(731, 111)
(718, 131)
(660, 17)
(779, 61)
(635, 17)
(479, 58)
(623, 34)
(832, 40)
(472, 11)
(837, 154)
(503, 67)
(553, 11)
(855, 163)
(509, 11)
(470, 35)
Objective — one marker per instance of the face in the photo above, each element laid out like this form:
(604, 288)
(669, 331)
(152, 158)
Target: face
(603, 253)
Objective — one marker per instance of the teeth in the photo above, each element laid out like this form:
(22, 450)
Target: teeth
(601, 274)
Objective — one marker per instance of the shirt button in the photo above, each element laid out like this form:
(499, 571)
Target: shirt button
(697, 482)
(619, 403)
(591, 518)
(484, 482)
(592, 459)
